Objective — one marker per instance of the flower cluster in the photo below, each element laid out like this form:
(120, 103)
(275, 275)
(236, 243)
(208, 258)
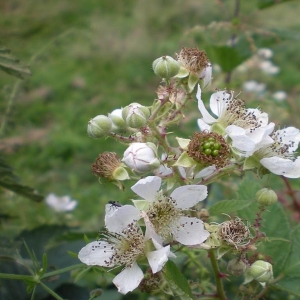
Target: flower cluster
(231, 139)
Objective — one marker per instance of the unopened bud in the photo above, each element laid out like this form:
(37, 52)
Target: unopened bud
(266, 197)
(261, 271)
(118, 123)
(96, 293)
(98, 127)
(141, 157)
(165, 67)
(236, 267)
(136, 115)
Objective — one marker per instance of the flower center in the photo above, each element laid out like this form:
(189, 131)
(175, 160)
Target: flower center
(163, 214)
(209, 148)
(126, 246)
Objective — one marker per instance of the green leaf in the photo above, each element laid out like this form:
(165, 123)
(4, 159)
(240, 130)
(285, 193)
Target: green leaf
(11, 65)
(228, 206)
(178, 283)
(277, 230)
(267, 3)
(292, 266)
(248, 188)
(9, 180)
(290, 285)
(227, 57)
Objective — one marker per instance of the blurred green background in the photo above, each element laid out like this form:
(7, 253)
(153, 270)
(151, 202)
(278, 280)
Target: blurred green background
(89, 57)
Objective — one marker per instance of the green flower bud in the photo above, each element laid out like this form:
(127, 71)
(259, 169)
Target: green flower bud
(266, 197)
(261, 271)
(98, 127)
(165, 67)
(236, 267)
(118, 123)
(136, 115)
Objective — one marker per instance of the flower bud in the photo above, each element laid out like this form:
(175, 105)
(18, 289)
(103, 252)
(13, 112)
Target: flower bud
(141, 157)
(136, 115)
(165, 67)
(261, 271)
(118, 123)
(266, 197)
(99, 126)
(236, 267)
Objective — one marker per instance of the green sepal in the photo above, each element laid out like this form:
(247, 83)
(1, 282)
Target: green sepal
(185, 161)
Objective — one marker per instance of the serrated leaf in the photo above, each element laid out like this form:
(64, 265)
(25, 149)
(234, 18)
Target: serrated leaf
(228, 206)
(177, 282)
(12, 65)
(247, 189)
(290, 285)
(292, 265)
(9, 180)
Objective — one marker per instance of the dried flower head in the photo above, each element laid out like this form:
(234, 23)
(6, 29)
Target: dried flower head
(151, 282)
(105, 164)
(108, 165)
(209, 148)
(193, 59)
(235, 232)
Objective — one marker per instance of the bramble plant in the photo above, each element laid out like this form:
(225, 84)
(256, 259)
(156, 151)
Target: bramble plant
(203, 221)
(173, 176)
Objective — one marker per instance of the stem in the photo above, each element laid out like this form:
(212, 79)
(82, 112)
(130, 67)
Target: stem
(218, 279)
(51, 292)
(9, 105)
(17, 277)
(291, 193)
(67, 269)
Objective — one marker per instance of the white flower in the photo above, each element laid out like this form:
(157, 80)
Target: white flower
(164, 216)
(254, 86)
(122, 245)
(245, 127)
(269, 68)
(279, 156)
(61, 204)
(265, 53)
(141, 157)
(279, 95)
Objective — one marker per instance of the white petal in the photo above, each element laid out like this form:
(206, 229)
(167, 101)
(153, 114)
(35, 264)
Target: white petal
(118, 220)
(206, 172)
(289, 136)
(219, 102)
(158, 258)
(207, 118)
(128, 279)
(207, 76)
(277, 165)
(239, 138)
(203, 126)
(97, 253)
(189, 231)
(189, 195)
(295, 171)
(147, 187)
